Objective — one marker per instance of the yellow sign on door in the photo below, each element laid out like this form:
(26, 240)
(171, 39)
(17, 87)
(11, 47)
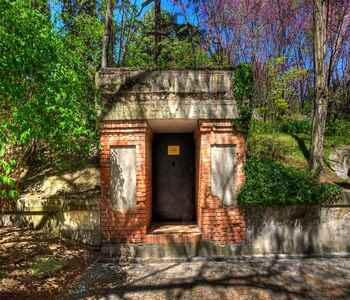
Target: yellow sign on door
(173, 150)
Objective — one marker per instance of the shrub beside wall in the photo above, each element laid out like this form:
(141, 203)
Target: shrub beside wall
(271, 183)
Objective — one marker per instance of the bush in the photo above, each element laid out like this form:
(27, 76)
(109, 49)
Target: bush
(338, 128)
(295, 126)
(267, 148)
(290, 126)
(270, 183)
(48, 101)
(261, 127)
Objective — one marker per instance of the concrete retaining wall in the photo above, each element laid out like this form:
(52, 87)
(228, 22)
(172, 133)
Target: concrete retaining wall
(65, 205)
(298, 229)
(292, 230)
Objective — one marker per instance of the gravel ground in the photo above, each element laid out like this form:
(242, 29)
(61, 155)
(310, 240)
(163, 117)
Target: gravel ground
(249, 278)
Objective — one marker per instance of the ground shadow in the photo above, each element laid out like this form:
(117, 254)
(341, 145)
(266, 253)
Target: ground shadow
(232, 279)
(302, 146)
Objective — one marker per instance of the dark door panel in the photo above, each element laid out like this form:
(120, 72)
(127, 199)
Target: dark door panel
(173, 178)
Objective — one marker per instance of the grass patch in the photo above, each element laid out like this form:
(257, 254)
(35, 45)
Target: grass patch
(46, 266)
(289, 150)
(288, 142)
(277, 168)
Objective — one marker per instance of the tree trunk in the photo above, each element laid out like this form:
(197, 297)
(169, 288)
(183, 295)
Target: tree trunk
(157, 25)
(321, 91)
(107, 38)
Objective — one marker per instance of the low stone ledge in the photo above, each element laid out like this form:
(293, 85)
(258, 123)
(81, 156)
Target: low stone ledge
(312, 230)
(65, 205)
(64, 201)
(79, 226)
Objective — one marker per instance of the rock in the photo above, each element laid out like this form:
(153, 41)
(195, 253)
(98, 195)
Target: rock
(63, 204)
(340, 161)
(85, 179)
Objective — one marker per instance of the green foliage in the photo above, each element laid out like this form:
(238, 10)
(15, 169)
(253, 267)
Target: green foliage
(47, 95)
(267, 147)
(243, 86)
(293, 126)
(85, 41)
(46, 266)
(243, 123)
(180, 48)
(288, 140)
(286, 125)
(338, 128)
(337, 134)
(43, 82)
(337, 131)
(285, 148)
(280, 90)
(243, 83)
(7, 182)
(261, 127)
(270, 183)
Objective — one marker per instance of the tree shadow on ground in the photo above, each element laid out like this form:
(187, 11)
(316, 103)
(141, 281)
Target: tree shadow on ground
(302, 146)
(24, 251)
(231, 279)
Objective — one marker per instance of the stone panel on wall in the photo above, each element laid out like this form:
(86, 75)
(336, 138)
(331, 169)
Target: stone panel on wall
(123, 178)
(223, 165)
(163, 107)
(121, 80)
(167, 94)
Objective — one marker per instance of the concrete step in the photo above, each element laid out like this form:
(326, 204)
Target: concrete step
(173, 234)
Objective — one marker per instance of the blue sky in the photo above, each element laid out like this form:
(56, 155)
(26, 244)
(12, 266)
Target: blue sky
(168, 5)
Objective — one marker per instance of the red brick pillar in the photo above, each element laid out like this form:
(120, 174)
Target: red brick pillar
(219, 223)
(131, 225)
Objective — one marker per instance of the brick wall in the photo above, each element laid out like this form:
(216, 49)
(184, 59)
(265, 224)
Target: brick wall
(217, 223)
(129, 226)
(223, 225)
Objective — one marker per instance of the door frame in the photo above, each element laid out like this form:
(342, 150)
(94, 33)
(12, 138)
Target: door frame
(195, 177)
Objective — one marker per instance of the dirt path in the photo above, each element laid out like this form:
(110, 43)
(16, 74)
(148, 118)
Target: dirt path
(253, 279)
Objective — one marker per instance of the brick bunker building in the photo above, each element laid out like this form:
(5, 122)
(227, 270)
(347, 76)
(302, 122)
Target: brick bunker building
(171, 159)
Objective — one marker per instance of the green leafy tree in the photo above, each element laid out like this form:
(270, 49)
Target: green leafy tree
(180, 45)
(243, 83)
(45, 89)
(280, 90)
(243, 89)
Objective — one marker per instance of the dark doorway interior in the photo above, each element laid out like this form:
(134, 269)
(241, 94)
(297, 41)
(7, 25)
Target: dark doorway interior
(173, 178)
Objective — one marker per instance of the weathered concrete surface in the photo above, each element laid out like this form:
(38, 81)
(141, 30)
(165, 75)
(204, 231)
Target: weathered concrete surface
(123, 182)
(298, 229)
(243, 279)
(65, 204)
(301, 230)
(183, 94)
(340, 161)
(223, 165)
